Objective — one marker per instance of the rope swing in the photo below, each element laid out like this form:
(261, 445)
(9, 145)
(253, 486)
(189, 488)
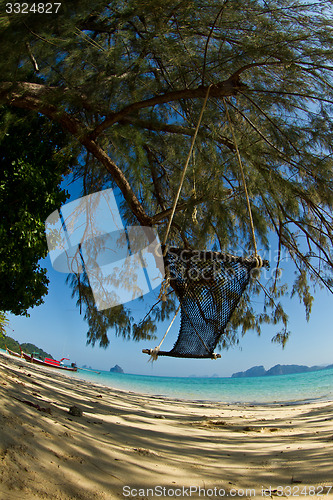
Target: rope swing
(209, 285)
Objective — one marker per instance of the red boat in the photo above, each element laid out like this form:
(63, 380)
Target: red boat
(52, 363)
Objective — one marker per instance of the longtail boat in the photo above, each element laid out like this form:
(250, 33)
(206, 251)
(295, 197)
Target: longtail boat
(13, 353)
(51, 363)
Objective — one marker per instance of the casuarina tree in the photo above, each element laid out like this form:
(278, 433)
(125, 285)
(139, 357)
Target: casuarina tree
(127, 80)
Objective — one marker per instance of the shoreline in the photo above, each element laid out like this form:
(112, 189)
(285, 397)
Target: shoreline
(85, 378)
(273, 404)
(109, 382)
(142, 441)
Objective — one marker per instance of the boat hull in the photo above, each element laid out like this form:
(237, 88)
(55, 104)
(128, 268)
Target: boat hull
(40, 362)
(13, 353)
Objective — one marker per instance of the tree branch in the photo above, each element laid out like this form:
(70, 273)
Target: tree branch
(13, 92)
(155, 126)
(157, 190)
(241, 70)
(293, 94)
(32, 58)
(293, 249)
(156, 219)
(120, 179)
(208, 39)
(34, 96)
(229, 87)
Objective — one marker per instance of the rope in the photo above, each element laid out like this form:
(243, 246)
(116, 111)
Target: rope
(195, 210)
(166, 281)
(184, 171)
(244, 181)
(164, 286)
(154, 352)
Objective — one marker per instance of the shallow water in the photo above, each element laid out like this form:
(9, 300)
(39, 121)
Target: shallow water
(300, 387)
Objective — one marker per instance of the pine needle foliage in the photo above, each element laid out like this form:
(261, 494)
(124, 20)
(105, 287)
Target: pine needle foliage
(127, 81)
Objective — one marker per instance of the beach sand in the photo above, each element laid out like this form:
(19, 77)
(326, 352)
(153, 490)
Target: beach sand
(125, 443)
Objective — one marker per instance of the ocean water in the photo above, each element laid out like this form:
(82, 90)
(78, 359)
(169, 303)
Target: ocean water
(300, 387)
(303, 387)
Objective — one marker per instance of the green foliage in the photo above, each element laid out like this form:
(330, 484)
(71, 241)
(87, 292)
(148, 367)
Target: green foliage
(148, 325)
(29, 348)
(12, 344)
(127, 81)
(3, 324)
(100, 322)
(37, 351)
(32, 168)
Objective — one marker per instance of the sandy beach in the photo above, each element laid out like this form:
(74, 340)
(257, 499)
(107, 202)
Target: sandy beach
(128, 445)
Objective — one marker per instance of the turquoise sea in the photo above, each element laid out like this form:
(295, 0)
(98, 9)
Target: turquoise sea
(302, 387)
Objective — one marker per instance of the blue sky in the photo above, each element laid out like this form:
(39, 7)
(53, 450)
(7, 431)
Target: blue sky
(57, 327)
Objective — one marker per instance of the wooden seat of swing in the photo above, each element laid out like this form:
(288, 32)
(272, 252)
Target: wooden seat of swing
(209, 286)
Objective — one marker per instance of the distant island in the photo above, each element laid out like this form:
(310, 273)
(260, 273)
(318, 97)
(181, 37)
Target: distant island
(116, 369)
(259, 371)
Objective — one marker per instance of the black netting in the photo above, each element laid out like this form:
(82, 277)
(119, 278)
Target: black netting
(209, 286)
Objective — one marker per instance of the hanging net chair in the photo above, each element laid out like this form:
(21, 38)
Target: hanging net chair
(209, 286)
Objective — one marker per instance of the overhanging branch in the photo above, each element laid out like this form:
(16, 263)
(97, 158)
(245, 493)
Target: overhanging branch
(226, 88)
(34, 97)
(155, 126)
